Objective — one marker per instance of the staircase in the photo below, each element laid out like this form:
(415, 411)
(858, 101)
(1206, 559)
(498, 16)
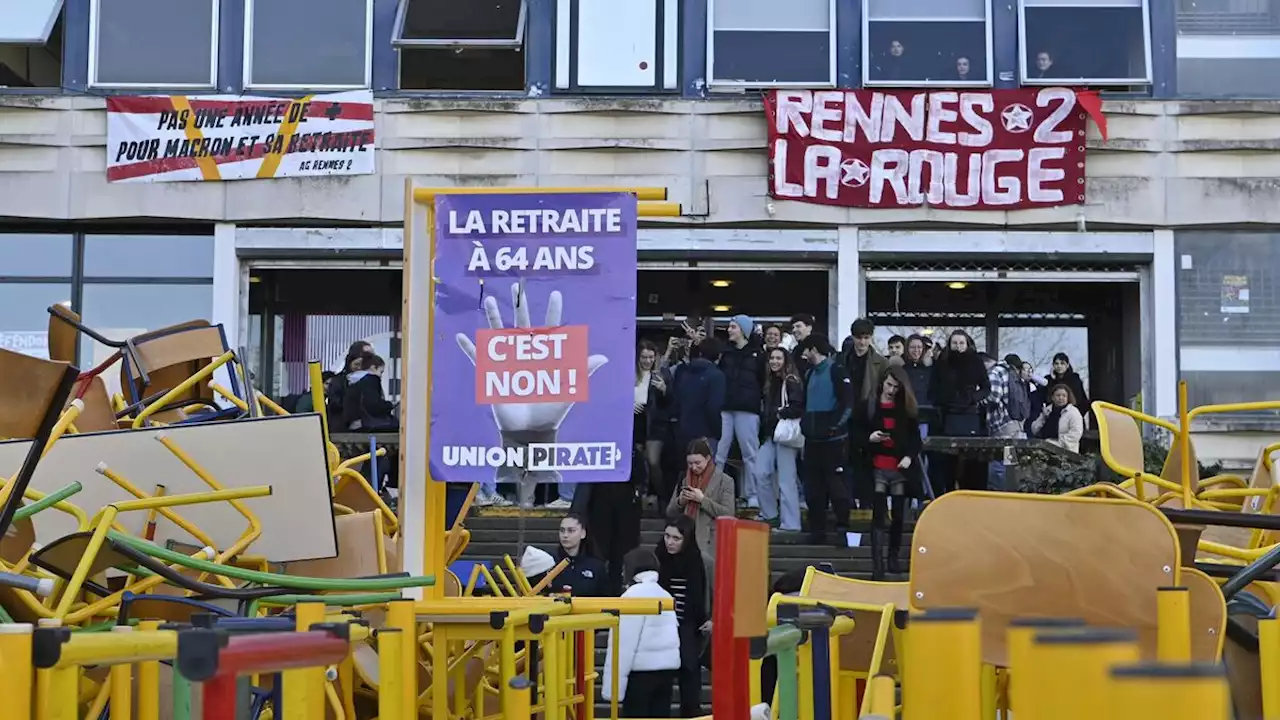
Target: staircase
(495, 533)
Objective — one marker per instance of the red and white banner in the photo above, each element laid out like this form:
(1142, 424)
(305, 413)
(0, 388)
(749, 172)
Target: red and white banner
(956, 149)
(162, 138)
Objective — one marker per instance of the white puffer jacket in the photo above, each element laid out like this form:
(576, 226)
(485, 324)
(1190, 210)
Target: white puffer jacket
(647, 642)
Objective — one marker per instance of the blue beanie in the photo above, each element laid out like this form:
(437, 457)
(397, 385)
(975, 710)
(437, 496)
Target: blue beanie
(745, 323)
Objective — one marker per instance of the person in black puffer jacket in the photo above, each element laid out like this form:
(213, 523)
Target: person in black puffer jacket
(1064, 374)
(335, 392)
(958, 387)
(743, 366)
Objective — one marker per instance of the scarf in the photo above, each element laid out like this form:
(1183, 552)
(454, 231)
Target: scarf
(700, 482)
(1050, 429)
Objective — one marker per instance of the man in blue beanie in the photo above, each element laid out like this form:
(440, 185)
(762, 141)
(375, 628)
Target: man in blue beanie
(743, 365)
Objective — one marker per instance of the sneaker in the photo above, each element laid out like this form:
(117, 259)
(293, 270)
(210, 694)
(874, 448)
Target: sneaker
(753, 503)
(559, 504)
(484, 499)
(501, 501)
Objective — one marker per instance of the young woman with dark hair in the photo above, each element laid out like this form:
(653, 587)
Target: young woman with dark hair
(894, 446)
(651, 417)
(336, 388)
(1064, 374)
(959, 385)
(682, 573)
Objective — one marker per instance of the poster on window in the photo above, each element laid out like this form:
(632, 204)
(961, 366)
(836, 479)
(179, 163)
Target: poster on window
(179, 138)
(1235, 294)
(961, 150)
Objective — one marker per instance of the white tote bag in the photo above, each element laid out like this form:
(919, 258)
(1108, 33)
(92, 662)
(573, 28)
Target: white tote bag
(788, 431)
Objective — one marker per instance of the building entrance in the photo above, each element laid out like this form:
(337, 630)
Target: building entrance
(1092, 317)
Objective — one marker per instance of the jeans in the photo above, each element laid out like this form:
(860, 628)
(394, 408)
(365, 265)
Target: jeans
(776, 465)
(746, 427)
(566, 490)
(995, 471)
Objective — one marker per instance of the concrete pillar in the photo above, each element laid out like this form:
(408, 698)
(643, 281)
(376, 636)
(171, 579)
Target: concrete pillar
(849, 291)
(1164, 335)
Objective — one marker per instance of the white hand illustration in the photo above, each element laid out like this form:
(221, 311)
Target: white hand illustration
(520, 424)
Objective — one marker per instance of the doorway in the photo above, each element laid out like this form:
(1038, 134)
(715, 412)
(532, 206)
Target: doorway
(668, 294)
(1095, 319)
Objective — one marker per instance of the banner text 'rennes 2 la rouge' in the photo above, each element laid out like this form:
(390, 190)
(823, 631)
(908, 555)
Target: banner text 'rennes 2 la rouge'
(970, 150)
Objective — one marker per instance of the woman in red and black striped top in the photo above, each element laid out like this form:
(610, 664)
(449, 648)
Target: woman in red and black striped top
(894, 446)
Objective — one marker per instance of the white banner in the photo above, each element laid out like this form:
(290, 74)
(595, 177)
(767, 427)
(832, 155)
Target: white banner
(162, 138)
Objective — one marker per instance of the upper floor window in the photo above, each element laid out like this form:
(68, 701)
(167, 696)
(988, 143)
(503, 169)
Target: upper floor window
(307, 44)
(30, 43)
(1229, 48)
(606, 46)
(1085, 42)
(153, 43)
(927, 42)
(453, 45)
(766, 43)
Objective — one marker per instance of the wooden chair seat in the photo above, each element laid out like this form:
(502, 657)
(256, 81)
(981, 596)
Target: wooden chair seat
(857, 647)
(1009, 556)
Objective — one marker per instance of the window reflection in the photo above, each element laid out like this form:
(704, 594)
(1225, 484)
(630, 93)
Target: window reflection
(121, 311)
(35, 255)
(184, 256)
(24, 317)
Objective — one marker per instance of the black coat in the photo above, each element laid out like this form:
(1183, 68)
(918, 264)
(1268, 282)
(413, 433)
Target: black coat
(959, 383)
(585, 576)
(744, 369)
(697, 397)
(906, 443)
(687, 565)
(772, 410)
(364, 401)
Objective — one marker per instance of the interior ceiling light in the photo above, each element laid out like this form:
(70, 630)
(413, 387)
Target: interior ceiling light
(721, 308)
(721, 283)
(958, 285)
(927, 331)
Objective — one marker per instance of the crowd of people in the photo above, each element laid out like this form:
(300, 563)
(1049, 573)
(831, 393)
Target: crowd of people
(849, 422)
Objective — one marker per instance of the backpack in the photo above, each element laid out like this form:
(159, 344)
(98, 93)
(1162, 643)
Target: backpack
(1019, 398)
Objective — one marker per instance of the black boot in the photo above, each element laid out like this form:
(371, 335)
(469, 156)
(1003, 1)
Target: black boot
(892, 564)
(877, 555)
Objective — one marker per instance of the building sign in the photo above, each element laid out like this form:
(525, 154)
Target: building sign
(533, 362)
(161, 138)
(967, 150)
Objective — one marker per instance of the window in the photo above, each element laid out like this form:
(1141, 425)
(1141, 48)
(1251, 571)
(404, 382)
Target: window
(1229, 48)
(1085, 42)
(35, 272)
(135, 283)
(1228, 287)
(450, 45)
(35, 256)
(926, 42)
(606, 45)
(764, 43)
(30, 43)
(153, 43)
(308, 44)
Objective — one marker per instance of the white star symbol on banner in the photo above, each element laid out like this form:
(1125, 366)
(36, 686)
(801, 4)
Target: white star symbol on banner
(854, 173)
(1016, 118)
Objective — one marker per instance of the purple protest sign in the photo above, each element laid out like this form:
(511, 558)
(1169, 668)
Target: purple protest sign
(533, 365)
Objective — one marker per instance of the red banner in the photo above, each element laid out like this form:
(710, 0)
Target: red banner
(963, 150)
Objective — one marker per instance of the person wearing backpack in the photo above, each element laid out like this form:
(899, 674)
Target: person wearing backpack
(999, 413)
(1021, 407)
